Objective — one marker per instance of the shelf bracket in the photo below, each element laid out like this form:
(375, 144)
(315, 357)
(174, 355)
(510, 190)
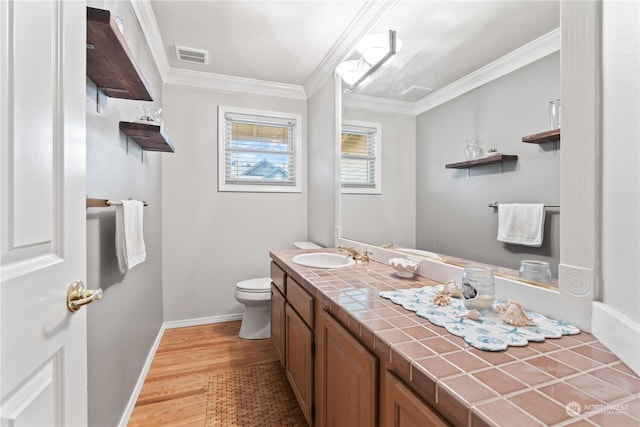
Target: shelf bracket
(98, 99)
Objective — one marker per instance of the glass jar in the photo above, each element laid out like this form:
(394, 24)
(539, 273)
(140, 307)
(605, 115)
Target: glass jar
(554, 114)
(478, 288)
(151, 114)
(473, 150)
(535, 271)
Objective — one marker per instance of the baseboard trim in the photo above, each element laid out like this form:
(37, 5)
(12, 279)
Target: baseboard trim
(618, 333)
(124, 420)
(202, 321)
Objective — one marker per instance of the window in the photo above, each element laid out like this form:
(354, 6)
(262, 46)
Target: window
(360, 157)
(258, 150)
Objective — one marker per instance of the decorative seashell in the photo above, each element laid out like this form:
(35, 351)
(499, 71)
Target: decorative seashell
(442, 298)
(513, 314)
(472, 315)
(404, 267)
(453, 289)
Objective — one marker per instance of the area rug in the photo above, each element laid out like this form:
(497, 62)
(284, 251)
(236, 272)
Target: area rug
(252, 396)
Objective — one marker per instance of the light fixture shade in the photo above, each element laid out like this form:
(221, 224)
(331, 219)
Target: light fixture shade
(375, 46)
(352, 70)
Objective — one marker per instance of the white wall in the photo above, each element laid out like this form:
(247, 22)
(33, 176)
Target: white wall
(124, 324)
(212, 240)
(617, 319)
(453, 215)
(389, 217)
(321, 164)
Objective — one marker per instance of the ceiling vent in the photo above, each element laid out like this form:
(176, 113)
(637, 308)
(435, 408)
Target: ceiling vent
(188, 54)
(416, 92)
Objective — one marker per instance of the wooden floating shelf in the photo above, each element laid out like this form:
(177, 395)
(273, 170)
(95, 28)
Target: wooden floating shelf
(109, 62)
(539, 138)
(499, 158)
(149, 137)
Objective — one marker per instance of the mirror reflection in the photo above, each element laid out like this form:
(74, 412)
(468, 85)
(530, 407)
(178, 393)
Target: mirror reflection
(464, 71)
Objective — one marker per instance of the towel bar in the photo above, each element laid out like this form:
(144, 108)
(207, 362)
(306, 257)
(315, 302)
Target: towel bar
(495, 205)
(104, 203)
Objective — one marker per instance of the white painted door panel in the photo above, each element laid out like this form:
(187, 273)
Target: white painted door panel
(42, 129)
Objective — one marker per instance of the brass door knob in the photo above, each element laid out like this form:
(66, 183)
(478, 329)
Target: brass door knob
(77, 296)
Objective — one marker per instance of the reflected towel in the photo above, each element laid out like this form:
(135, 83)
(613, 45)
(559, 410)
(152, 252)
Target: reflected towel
(130, 249)
(521, 224)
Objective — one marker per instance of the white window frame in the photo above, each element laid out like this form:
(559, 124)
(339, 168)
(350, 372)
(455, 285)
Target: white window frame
(377, 189)
(260, 188)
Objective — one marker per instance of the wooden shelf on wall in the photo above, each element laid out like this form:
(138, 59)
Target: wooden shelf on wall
(539, 138)
(149, 137)
(109, 62)
(499, 158)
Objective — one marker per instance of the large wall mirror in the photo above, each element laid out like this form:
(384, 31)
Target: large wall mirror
(578, 283)
(463, 70)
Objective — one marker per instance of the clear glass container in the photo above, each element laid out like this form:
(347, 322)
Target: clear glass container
(473, 150)
(535, 271)
(478, 288)
(554, 114)
(151, 114)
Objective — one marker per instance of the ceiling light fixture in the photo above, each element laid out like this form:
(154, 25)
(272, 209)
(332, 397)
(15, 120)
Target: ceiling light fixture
(352, 69)
(375, 46)
(375, 50)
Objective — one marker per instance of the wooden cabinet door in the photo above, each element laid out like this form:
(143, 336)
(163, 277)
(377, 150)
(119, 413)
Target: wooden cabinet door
(401, 407)
(299, 360)
(346, 377)
(278, 324)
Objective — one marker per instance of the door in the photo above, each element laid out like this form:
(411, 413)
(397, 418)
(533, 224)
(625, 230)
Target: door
(299, 361)
(43, 365)
(278, 325)
(401, 407)
(346, 377)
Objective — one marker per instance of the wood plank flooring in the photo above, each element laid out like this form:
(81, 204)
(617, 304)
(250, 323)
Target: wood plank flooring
(175, 390)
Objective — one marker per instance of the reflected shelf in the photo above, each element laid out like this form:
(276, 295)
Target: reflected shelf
(500, 158)
(541, 137)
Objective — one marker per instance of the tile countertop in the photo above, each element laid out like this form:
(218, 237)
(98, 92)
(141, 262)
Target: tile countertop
(522, 386)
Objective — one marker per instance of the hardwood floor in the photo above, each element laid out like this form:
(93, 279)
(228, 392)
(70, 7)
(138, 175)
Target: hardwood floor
(175, 390)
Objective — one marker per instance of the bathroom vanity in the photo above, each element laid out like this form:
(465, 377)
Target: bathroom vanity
(354, 358)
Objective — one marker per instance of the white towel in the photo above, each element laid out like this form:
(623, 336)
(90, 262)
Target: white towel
(522, 224)
(130, 249)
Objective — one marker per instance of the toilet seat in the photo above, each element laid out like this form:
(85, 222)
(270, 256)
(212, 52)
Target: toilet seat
(261, 285)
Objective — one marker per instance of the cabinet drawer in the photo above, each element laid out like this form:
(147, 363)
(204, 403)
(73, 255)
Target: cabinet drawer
(300, 300)
(278, 277)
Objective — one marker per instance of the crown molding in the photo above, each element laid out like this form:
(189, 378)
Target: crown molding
(537, 49)
(367, 16)
(199, 79)
(372, 103)
(147, 21)
(223, 83)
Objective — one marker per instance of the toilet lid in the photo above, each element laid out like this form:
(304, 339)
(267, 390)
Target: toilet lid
(262, 284)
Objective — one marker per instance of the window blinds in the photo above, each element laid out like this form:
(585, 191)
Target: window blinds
(358, 157)
(259, 150)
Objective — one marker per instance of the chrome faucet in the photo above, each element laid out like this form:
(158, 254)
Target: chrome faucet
(357, 256)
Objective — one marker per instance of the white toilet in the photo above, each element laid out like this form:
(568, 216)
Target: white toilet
(255, 294)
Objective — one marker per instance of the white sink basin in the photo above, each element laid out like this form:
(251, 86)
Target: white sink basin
(323, 260)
